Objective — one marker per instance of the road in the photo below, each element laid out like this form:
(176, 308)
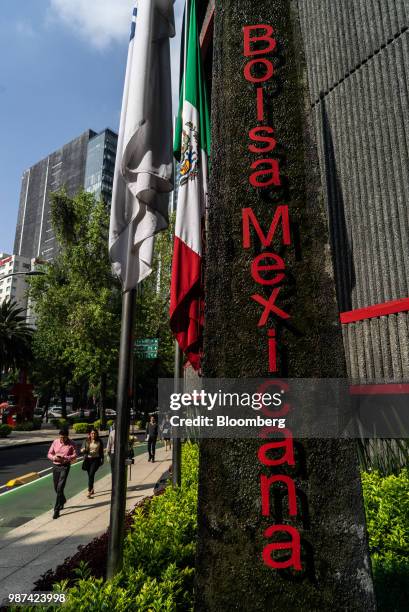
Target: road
(22, 504)
(21, 460)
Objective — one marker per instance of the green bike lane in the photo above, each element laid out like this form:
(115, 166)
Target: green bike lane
(22, 504)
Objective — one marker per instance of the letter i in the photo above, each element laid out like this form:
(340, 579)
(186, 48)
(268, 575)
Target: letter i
(272, 351)
(260, 104)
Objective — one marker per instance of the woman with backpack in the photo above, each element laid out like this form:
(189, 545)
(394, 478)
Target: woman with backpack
(93, 451)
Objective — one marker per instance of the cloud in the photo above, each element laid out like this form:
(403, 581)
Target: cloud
(100, 22)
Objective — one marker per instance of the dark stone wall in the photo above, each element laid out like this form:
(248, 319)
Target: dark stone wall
(230, 572)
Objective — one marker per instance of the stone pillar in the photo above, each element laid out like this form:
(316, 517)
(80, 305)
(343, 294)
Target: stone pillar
(231, 574)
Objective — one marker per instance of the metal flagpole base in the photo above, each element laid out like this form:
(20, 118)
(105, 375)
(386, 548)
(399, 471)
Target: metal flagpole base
(118, 499)
(176, 442)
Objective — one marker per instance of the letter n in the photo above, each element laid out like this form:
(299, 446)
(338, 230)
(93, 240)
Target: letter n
(265, 485)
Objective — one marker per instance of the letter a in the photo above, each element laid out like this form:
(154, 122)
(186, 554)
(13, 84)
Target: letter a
(287, 443)
(294, 545)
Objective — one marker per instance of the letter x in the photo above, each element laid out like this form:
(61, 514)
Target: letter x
(269, 306)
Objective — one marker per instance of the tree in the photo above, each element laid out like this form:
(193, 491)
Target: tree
(152, 318)
(15, 337)
(78, 300)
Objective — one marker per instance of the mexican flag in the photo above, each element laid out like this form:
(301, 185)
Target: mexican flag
(192, 150)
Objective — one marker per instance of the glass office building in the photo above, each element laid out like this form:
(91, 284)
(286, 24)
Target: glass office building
(87, 162)
(100, 165)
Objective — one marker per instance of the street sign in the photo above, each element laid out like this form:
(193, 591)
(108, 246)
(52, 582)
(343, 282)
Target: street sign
(146, 348)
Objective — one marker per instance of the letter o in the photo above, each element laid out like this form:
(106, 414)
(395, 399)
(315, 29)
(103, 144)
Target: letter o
(261, 60)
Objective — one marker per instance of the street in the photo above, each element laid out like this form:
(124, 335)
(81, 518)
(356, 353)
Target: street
(21, 460)
(24, 503)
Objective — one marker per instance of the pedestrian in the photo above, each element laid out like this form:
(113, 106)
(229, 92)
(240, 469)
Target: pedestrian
(93, 451)
(165, 430)
(151, 437)
(62, 453)
(111, 448)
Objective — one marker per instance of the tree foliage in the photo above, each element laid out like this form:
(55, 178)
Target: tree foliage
(15, 337)
(78, 301)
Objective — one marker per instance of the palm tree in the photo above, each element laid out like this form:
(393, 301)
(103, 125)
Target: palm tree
(15, 337)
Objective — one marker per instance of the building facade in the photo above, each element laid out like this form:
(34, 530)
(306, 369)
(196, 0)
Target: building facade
(14, 287)
(87, 162)
(100, 165)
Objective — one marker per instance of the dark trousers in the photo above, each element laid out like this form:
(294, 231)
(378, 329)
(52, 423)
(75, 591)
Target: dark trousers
(92, 469)
(112, 461)
(151, 447)
(60, 475)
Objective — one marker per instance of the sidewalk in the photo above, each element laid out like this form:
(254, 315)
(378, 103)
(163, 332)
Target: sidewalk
(40, 436)
(43, 543)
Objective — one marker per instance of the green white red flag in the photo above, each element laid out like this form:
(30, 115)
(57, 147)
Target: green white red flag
(192, 150)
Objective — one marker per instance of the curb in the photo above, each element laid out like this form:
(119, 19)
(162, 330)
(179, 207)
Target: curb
(21, 480)
(33, 442)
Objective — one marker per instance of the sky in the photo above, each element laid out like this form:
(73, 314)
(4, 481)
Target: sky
(62, 68)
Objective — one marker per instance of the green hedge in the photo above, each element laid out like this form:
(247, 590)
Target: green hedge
(80, 427)
(5, 430)
(158, 555)
(387, 515)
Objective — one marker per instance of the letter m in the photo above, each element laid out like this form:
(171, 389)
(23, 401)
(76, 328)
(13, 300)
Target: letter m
(280, 216)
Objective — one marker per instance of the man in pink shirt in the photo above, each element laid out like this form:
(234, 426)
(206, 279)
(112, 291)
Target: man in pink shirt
(62, 453)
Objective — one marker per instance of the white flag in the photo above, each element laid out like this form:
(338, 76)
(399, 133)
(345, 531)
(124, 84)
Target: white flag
(143, 170)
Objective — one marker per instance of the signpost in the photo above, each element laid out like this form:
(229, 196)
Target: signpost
(146, 348)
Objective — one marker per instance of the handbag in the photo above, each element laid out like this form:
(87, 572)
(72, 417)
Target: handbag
(85, 464)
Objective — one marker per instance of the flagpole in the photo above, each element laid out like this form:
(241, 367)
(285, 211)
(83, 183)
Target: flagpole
(176, 442)
(118, 499)
(178, 362)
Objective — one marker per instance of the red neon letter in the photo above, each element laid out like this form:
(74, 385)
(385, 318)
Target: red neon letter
(265, 484)
(269, 306)
(272, 171)
(287, 443)
(294, 545)
(256, 134)
(248, 39)
(265, 77)
(272, 351)
(280, 214)
(256, 268)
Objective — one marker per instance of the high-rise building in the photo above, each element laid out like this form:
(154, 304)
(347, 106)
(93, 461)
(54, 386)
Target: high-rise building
(87, 162)
(13, 285)
(100, 165)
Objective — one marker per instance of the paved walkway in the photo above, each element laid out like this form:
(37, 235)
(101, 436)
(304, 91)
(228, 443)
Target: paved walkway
(43, 543)
(41, 436)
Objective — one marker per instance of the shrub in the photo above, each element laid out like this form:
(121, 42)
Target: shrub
(80, 427)
(5, 430)
(26, 426)
(387, 514)
(97, 424)
(158, 555)
(110, 422)
(60, 423)
(139, 424)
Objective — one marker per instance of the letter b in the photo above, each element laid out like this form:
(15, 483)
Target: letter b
(266, 36)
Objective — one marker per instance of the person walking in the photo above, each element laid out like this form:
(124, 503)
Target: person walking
(93, 451)
(166, 431)
(62, 453)
(151, 437)
(111, 448)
